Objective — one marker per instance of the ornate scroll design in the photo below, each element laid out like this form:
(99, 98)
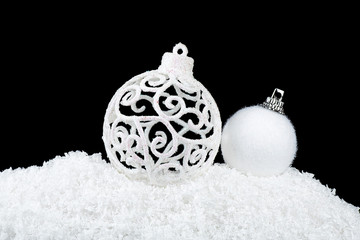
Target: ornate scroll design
(163, 127)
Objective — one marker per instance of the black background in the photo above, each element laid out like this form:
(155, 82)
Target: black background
(61, 70)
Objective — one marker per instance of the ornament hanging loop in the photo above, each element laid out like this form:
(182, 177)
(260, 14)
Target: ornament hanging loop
(177, 64)
(181, 47)
(274, 102)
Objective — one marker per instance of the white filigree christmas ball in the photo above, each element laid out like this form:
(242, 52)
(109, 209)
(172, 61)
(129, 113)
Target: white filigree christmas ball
(163, 125)
(260, 140)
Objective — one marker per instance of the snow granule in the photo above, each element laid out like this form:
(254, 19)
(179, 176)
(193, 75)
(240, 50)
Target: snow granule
(83, 197)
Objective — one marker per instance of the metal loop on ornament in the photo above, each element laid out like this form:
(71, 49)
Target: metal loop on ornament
(181, 47)
(274, 102)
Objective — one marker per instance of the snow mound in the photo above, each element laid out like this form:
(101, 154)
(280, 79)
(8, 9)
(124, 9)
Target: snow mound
(83, 197)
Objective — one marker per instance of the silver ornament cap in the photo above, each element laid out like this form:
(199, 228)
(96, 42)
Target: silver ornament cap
(274, 102)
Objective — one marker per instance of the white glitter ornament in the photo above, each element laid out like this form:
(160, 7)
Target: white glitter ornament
(260, 140)
(163, 125)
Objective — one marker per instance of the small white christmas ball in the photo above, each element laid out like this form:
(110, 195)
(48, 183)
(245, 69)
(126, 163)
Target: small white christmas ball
(259, 141)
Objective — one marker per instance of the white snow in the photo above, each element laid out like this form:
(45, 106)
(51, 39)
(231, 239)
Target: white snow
(82, 197)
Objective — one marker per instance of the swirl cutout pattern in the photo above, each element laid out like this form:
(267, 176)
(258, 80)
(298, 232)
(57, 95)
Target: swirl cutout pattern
(162, 128)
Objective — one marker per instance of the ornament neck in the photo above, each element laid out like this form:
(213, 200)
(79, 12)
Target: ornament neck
(177, 62)
(274, 102)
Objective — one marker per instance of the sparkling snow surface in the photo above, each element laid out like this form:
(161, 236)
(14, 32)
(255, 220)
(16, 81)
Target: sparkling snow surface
(82, 197)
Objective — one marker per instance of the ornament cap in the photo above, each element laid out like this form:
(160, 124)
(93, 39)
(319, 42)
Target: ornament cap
(274, 102)
(177, 62)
